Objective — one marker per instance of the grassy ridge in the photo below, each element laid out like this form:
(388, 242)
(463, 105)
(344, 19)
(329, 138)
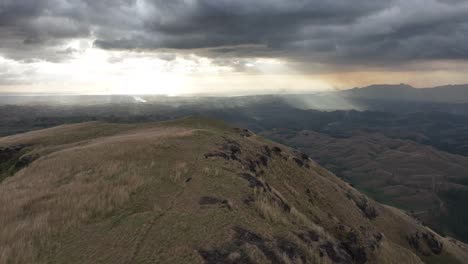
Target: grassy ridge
(191, 191)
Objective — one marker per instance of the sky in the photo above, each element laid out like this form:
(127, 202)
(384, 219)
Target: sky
(229, 47)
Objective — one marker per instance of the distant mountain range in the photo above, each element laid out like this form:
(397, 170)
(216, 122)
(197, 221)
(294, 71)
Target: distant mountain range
(442, 94)
(331, 100)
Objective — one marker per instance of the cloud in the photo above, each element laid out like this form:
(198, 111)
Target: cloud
(335, 32)
(13, 73)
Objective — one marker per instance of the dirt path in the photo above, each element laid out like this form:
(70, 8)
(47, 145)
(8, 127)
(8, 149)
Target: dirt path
(146, 229)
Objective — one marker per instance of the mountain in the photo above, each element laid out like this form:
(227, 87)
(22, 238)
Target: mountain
(403, 92)
(192, 190)
(382, 141)
(384, 98)
(383, 91)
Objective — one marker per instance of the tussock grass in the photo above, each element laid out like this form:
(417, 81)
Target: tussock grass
(125, 198)
(76, 185)
(255, 254)
(269, 210)
(180, 169)
(34, 211)
(273, 213)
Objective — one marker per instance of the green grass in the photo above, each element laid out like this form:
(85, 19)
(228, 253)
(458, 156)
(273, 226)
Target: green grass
(8, 168)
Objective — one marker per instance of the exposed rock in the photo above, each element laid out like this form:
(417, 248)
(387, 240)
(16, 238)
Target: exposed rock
(217, 154)
(228, 150)
(248, 200)
(11, 160)
(434, 245)
(263, 160)
(357, 253)
(422, 242)
(368, 210)
(253, 182)
(277, 150)
(13, 148)
(244, 132)
(217, 256)
(274, 250)
(413, 241)
(267, 151)
(298, 162)
(337, 255)
(24, 161)
(7, 153)
(250, 165)
(309, 237)
(301, 159)
(303, 156)
(245, 236)
(208, 200)
(293, 251)
(379, 236)
(241, 237)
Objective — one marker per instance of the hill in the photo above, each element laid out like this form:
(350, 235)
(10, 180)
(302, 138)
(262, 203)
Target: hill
(191, 191)
(403, 92)
(429, 183)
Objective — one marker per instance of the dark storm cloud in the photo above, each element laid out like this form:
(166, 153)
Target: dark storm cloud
(330, 32)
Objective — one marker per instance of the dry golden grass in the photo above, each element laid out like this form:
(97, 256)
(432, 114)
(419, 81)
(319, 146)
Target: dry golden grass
(255, 254)
(180, 169)
(119, 194)
(390, 253)
(270, 211)
(72, 186)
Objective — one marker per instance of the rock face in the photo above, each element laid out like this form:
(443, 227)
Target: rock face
(193, 191)
(425, 243)
(13, 160)
(9, 152)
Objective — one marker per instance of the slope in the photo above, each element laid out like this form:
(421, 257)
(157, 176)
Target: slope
(191, 191)
(430, 183)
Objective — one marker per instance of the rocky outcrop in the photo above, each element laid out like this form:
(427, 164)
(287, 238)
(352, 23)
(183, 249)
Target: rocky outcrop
(425, 243)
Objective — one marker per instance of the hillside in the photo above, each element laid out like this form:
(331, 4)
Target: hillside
(429, 183)
(191, 191)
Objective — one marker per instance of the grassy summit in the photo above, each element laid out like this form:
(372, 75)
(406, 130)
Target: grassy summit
(190, 191)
